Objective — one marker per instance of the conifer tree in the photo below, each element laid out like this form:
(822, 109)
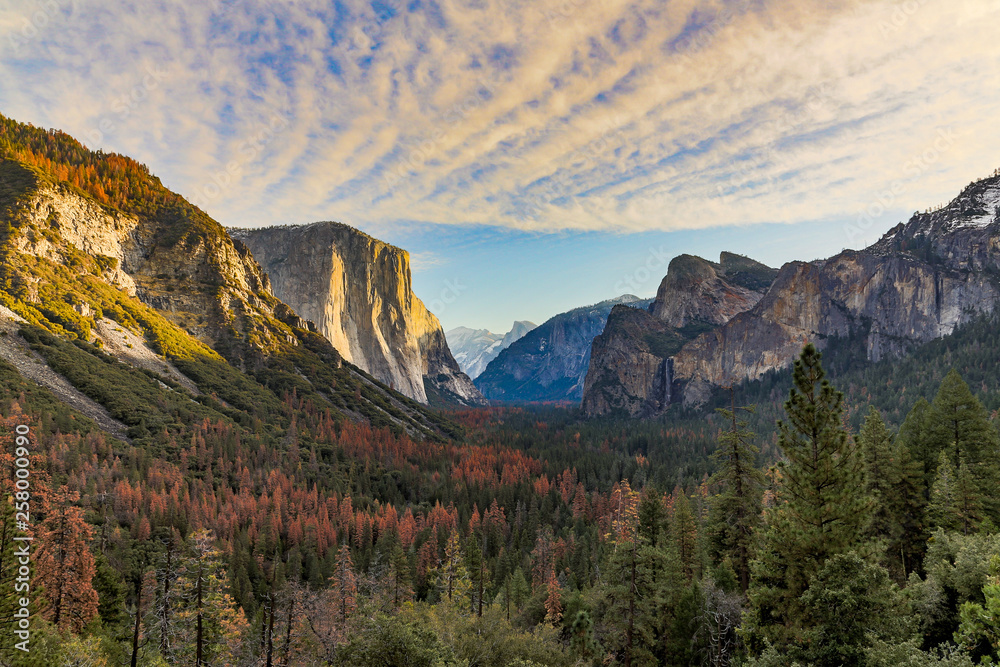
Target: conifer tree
(736, 510)
(345, 585)
(210, 624)
(822, 509)
(684, 536)
(895, 483)
(959, 424)
(452, 575)
(956, 502)
(913, 435)
(65, 566)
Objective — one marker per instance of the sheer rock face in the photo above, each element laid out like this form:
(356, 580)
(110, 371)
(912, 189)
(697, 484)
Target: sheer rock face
(631, 367)
(358, 291)
(629, 371)
(919, 282)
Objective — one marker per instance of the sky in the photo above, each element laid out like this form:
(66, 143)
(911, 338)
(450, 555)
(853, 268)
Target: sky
(535, 155)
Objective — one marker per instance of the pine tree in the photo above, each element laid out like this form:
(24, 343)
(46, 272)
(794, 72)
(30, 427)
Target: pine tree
(684, 536)
(914, 436)
(959, 424)
(452, 575)
(895, 483)
(65, 566)
(956, 502)
(475, 563)
(210, 624)
(822, 509)
(345, 585)
(652, 516)
(736, 510)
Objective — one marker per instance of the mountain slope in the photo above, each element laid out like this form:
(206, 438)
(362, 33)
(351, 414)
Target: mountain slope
(550, 362)
(91, 243)
(358, 290)
(474, 349)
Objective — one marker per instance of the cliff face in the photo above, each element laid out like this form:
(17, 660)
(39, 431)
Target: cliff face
(358, 291)
(917, 283)
(203, 282)
(550, 362)
(631, 366)
(696, 290)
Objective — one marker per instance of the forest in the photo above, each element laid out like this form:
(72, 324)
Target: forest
(534, 538)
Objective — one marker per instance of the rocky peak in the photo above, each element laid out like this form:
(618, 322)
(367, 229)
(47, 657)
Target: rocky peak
(696, 290)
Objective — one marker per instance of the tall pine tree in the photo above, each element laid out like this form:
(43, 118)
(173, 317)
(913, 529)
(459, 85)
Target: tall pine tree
(821, 508)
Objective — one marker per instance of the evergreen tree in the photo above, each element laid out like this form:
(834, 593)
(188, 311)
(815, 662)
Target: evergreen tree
(821, 509)
(65, 565)
(684, 536)
(633, 599)
(652, 516)
(736, 510)
(913, 435)
(895, 483)
(959, 424)
(955, 502)
(211, 626)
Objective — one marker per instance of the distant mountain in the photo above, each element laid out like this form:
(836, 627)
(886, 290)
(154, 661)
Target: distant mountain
(358, 291)
(474, 349)
(920, 282)
(550, 362)
(630, 366)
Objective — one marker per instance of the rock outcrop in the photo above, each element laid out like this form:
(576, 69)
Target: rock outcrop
(358, 291)
(631, 365)
(550, 362)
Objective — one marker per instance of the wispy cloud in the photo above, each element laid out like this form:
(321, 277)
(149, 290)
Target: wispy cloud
(541, 115)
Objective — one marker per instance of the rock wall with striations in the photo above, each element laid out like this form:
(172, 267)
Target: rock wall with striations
(358, 291)
(918, 283)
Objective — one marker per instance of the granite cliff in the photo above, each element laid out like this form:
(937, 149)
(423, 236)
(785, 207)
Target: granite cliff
(924, 278)
(358, 291)
(631, 366)
(921, 280)
(137, 308)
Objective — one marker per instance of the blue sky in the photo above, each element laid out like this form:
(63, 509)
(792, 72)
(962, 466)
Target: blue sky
(531, 154)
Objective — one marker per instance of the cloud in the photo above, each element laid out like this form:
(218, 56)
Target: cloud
(547, 115)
